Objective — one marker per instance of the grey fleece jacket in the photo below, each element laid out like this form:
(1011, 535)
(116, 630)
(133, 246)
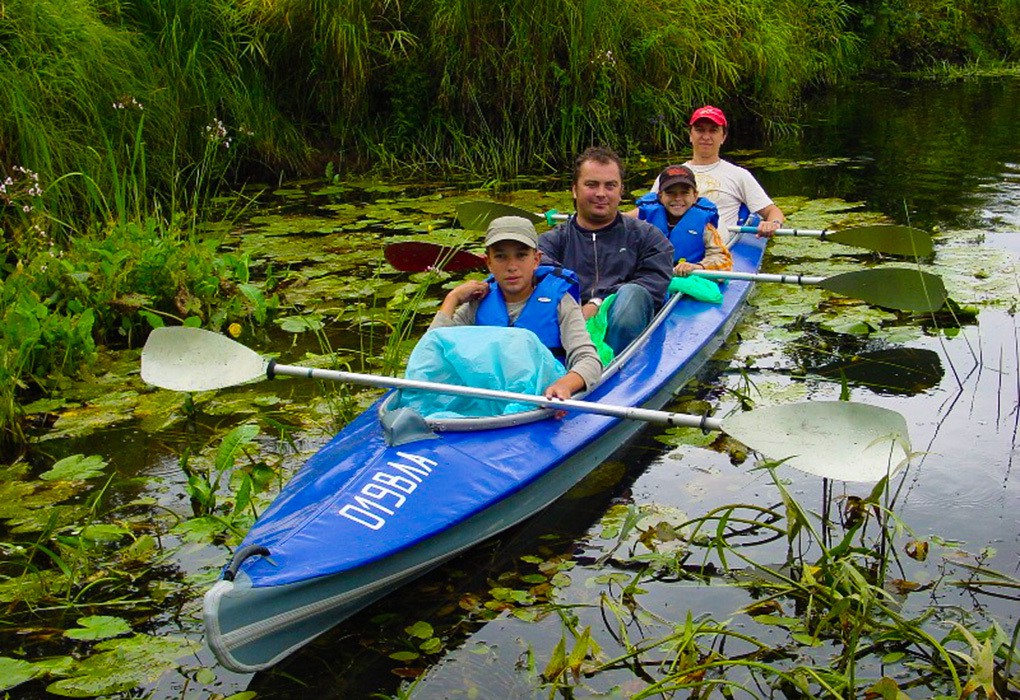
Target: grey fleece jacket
(628, 250)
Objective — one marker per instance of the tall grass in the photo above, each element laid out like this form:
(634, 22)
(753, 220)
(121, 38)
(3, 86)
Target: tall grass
(499, 86)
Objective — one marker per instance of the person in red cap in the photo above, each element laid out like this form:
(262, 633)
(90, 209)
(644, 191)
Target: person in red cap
(733, 189)
(690, 222)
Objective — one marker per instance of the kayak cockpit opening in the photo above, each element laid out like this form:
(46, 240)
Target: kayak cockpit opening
(508, 359)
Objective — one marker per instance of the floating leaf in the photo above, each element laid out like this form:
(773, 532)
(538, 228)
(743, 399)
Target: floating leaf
(201, 529)
(32, 587)
(75, 468)
(422, 630)
(122, 665)
(917, 549)
(300, 324)
(887, 689)
(104, 532)
(431, 645)
(14, 672)
(405, 655)
(97, 627)
(44, 406)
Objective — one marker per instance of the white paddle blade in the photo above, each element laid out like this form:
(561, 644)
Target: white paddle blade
(192, 359)
(831, 439)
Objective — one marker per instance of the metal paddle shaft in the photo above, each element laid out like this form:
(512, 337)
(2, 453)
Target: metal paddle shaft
(819, 441)
(192, 359)
(881, 238)
(891, 239)
(900, 288)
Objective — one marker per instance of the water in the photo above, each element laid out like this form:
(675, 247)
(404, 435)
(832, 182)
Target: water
(934, 155)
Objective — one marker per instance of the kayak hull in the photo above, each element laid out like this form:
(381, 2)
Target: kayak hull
(361, 518)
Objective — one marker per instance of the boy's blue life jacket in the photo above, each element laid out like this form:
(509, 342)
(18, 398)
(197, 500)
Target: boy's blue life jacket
(687, 236)
(540, 313)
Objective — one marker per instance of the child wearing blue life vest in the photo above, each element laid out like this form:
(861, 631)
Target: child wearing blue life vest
(523, 293)
(689, 222)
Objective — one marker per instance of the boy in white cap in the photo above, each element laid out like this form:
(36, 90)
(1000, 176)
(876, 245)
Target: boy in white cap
(523, 293)
(733, 189)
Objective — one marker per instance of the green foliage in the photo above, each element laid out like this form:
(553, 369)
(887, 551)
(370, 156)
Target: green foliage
(924, 33)
(492, 87)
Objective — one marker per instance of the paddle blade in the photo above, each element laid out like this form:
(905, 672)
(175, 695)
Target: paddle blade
(478, 215)
(891, 371)
(901, 288)
(831, 439)
(418, 256)
(883, 238)
(192, 359)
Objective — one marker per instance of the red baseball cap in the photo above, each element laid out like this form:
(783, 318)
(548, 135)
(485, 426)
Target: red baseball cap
(713, 114)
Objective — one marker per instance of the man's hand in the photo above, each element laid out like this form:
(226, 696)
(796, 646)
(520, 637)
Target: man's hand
(767, 229)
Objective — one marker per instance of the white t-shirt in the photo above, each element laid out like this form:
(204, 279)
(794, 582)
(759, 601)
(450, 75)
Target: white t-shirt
(727, 186)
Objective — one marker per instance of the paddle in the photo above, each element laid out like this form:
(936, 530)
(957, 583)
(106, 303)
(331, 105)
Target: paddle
(903, 289)
(419, 256)
(823, 437)
(479, 214)
(900, 288)
(881, 238)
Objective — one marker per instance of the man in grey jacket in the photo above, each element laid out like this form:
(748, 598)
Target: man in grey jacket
(609, 252)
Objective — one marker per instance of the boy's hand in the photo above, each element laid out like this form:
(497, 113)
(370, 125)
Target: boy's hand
(684, 268)
(468, 291)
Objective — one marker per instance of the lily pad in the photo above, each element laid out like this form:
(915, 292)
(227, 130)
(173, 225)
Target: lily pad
(96, 627)
(32, 587)
(75, 468)
(123, 664)
(14, 672)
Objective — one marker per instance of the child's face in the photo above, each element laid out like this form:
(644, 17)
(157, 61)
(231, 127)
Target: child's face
(513, 265)
(678, 199)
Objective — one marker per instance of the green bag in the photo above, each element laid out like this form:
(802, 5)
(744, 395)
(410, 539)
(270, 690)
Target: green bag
(699, 288)
(597, 326)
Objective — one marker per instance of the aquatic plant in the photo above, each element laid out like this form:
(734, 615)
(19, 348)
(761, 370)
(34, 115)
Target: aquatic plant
(829, 621)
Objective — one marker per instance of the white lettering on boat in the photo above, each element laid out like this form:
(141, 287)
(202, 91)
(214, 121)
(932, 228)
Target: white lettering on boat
(388, 492)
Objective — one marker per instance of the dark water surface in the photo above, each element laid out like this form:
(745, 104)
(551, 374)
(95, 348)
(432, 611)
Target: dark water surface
(940, 156)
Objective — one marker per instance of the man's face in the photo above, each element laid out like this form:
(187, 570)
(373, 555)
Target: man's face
(707, 138)
(513, 266)
(597, 193)
(677, 200)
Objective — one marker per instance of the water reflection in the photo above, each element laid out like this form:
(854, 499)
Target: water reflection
(925, 154)
(890, 371)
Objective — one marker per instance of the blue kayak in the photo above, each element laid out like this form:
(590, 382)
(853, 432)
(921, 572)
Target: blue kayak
(361, 517)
